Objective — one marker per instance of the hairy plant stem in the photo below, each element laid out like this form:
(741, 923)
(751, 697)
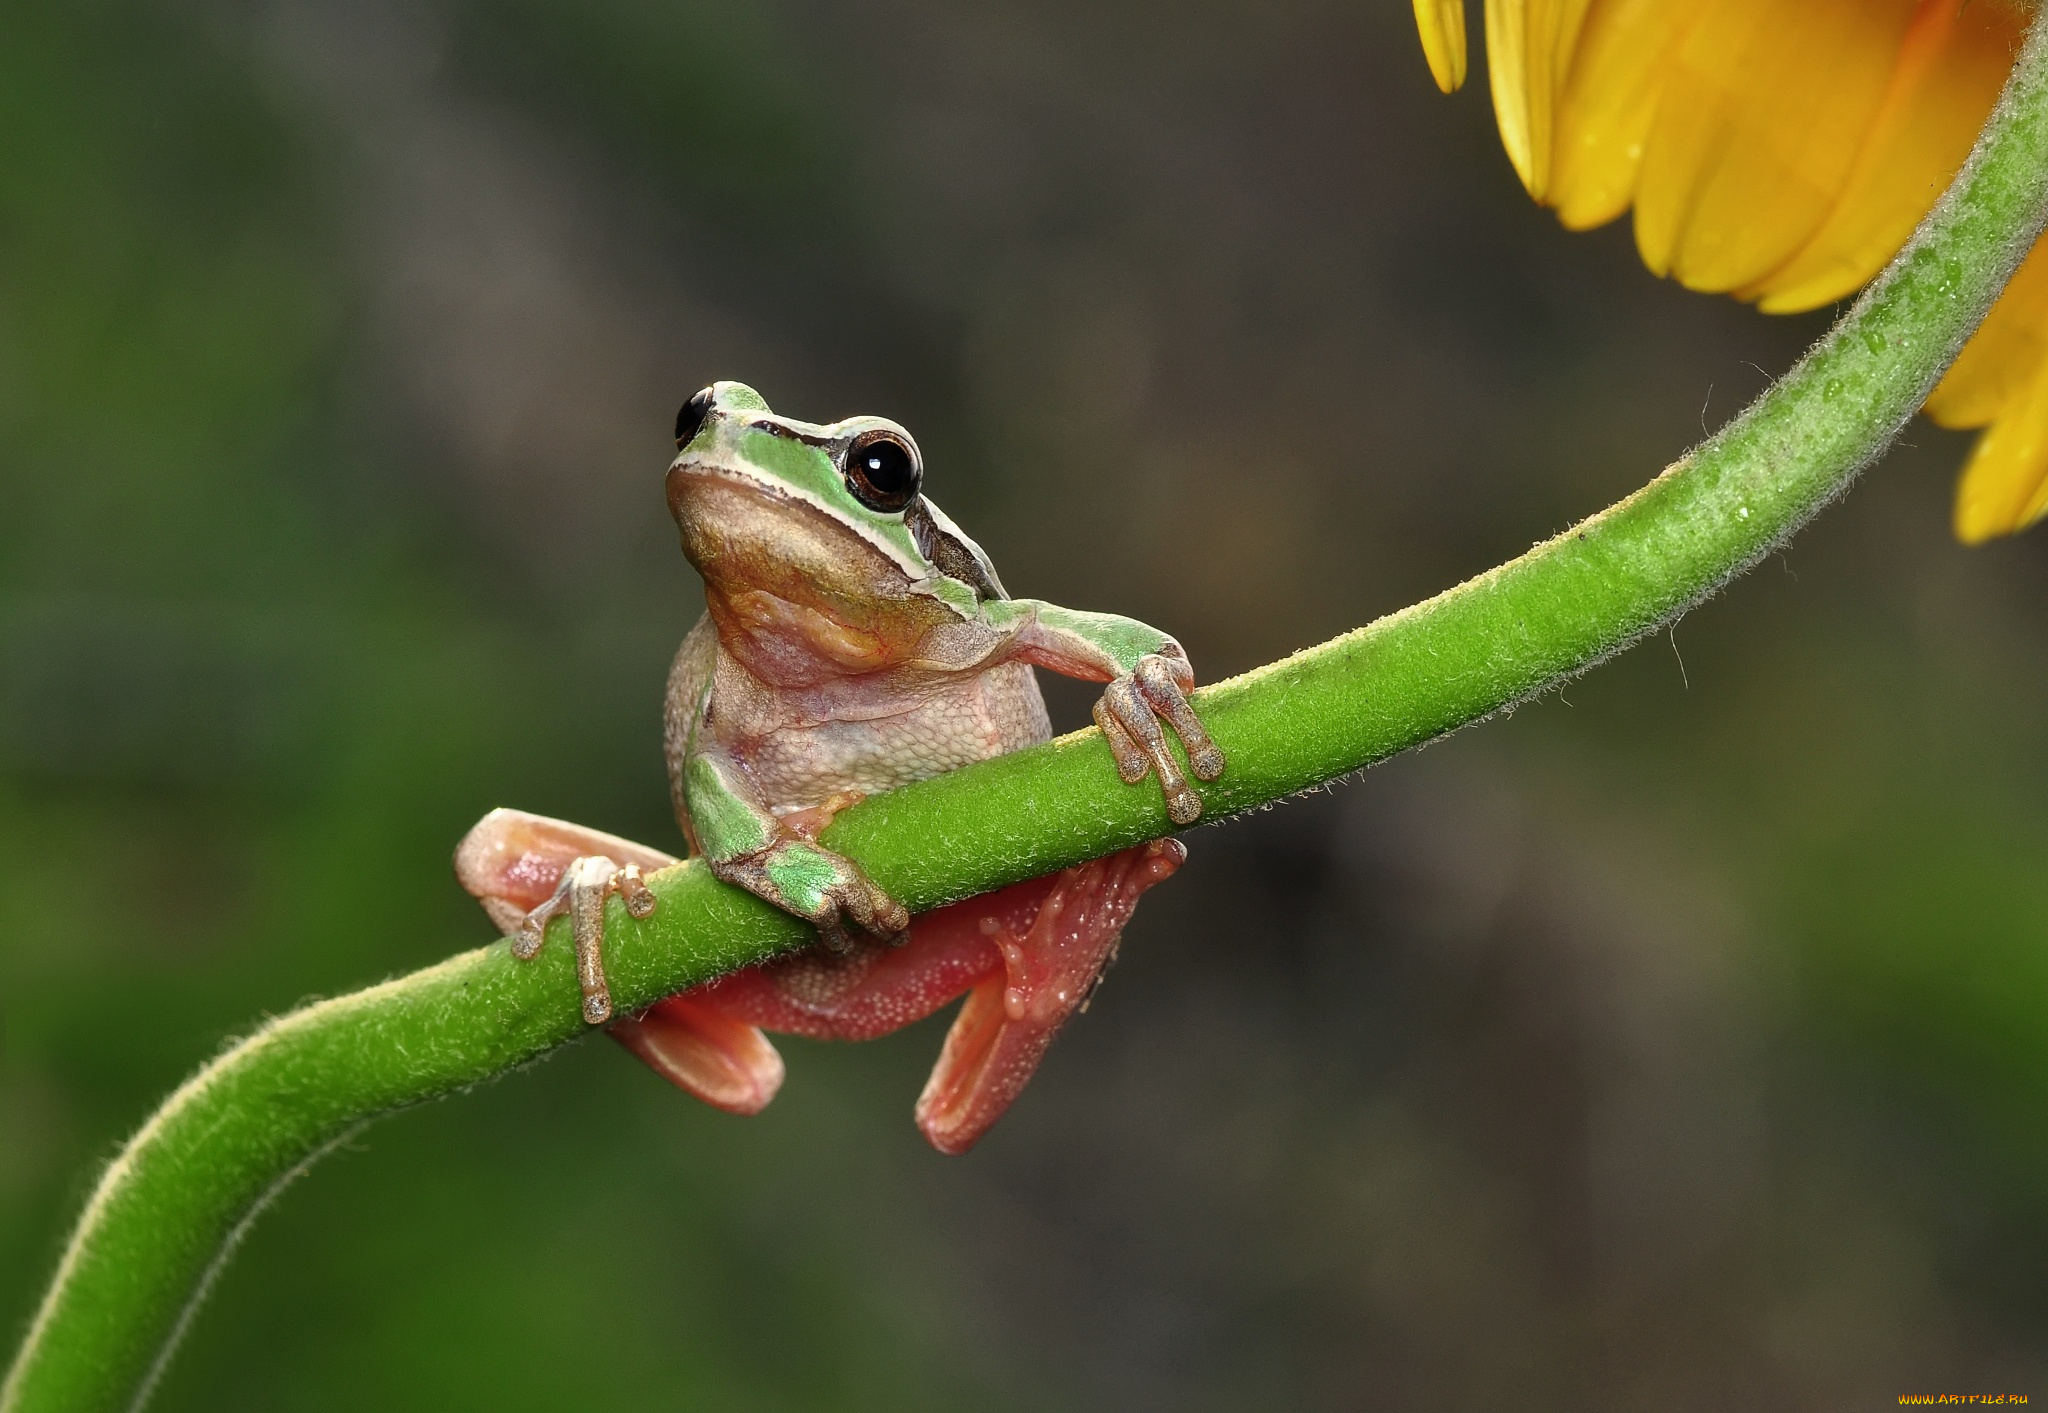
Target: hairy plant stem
(170, 1207)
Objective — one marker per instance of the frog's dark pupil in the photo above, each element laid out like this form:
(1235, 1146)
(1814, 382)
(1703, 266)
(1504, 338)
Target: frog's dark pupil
(887, 467)
(883, 474)
(690, 420)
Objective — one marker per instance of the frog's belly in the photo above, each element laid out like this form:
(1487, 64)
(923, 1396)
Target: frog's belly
(996, 711)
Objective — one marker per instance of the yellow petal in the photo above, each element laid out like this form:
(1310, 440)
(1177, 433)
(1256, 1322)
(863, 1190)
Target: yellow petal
(1757, 133)
(1617, 76)
(2005, 484)
(1529, 46)
(1954, 60)
(1442, 25)
(1999, 365)
(1780, 150)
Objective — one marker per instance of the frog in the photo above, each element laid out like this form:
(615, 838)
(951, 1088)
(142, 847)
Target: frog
(854, 640)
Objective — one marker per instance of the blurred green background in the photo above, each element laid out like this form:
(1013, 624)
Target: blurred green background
(1680, 1041)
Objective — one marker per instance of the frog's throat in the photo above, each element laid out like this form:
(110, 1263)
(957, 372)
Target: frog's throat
(759, 617)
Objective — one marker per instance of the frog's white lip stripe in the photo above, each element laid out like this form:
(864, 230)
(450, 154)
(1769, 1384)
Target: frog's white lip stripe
(782, 490)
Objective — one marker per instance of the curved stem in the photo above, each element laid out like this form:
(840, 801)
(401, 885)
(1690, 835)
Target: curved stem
(169, 1209)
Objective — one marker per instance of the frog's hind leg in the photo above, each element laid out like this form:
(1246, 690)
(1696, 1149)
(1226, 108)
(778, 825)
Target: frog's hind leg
(693, 1044)
(527, 869)
(708, 1041)
(1053, 959)
(1027, 957)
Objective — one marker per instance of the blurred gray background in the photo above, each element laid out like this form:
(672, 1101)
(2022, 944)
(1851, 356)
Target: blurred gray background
(1677, 1042)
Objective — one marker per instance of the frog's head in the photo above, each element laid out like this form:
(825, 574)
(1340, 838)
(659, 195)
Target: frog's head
(816, 535)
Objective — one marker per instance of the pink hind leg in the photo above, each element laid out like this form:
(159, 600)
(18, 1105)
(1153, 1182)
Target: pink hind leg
(703, 1051)
(1028, 956)
(1050, 969)
(525, 867)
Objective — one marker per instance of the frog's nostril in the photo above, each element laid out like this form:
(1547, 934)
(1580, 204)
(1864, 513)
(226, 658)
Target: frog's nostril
(690, 420)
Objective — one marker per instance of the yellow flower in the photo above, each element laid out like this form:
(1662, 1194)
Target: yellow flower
(1779, 151)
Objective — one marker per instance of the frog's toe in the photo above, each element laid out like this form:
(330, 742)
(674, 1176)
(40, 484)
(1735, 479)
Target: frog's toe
(1136, 739)
(1132, 764)
(827, 891)
(591, 881)
(1164, 682)
(634, 892)
(877, 913)
(871, 911)
(835, 936)
(581, 893)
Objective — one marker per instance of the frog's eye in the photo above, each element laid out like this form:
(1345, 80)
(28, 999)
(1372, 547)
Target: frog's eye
(883, 471)
(690, 420)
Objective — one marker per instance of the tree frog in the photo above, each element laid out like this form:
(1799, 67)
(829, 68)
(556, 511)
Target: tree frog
(854, 639)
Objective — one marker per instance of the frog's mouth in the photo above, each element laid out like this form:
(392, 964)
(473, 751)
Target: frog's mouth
(686, 474)
(765, 509)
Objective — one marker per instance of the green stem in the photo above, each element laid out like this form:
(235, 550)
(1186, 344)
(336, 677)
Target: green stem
(168, 1210)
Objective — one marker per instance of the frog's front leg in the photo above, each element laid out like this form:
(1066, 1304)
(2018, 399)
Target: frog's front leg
(743, 843)
(1149, 677)
(527, 870)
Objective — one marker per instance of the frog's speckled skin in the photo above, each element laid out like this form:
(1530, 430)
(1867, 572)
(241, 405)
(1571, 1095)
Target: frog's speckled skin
(854, 640)
(799, 761)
